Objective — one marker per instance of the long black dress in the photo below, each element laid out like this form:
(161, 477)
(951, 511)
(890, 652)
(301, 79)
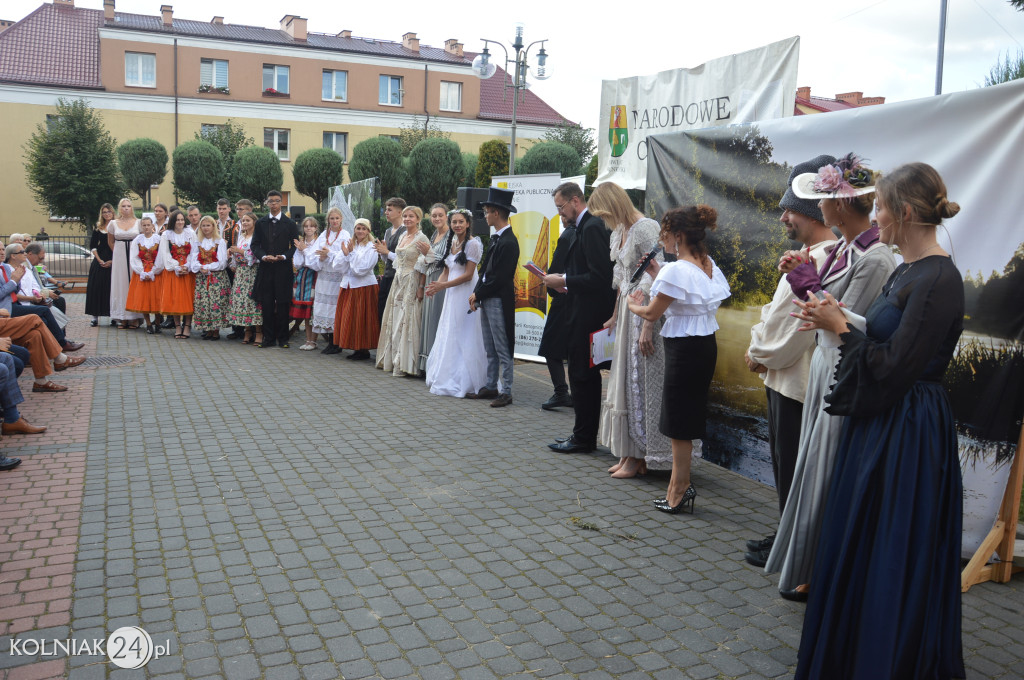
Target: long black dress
(885, 591)
(97, 296)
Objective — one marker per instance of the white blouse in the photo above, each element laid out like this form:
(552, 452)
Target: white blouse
(696, 298)
(357, 266)
(136, 262)
(247, 258)
(208, 244)
(170, 237)
(303, 258)
(314, 262)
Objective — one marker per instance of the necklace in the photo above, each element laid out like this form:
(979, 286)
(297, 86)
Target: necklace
(327, 239)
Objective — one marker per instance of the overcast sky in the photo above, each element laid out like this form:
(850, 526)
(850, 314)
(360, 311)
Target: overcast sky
(883, 48)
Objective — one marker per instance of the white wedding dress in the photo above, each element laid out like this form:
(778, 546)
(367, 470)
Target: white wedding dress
(457, 365)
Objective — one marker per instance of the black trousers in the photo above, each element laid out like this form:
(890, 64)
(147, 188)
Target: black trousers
(585, 383)
(556, 369)
(383, 290)
(276, 299)
(784, 417)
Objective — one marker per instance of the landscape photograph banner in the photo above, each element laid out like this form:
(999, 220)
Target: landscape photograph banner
(974, 140)
(536, 225)
(741, 88)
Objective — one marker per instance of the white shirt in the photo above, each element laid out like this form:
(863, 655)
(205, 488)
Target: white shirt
(357, 266)
(696, 298)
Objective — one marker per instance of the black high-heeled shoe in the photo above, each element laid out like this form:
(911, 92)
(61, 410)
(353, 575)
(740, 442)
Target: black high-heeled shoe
(689, 496)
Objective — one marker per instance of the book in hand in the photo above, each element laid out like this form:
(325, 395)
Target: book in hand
(534, 269)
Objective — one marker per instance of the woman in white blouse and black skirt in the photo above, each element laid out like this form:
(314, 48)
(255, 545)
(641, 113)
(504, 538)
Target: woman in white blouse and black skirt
(688, 293)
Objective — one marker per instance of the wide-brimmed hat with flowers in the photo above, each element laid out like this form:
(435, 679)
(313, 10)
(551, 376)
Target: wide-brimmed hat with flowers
(846, 178)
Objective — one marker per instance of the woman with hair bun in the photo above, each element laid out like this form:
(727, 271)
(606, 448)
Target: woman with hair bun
(688, 293)
(885, 592)
(398, 350)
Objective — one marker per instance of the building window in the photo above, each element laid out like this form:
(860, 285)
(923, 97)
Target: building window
(390, 90)
(139, 69)
(207, 129)
(213, 74)
(393, 138)
(276, 139)
(275, 79)
(337, 141)
(335, 87)
(51, 120)
(451, 96)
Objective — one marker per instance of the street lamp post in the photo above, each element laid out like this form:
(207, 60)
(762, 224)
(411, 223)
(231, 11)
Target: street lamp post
(515, 78)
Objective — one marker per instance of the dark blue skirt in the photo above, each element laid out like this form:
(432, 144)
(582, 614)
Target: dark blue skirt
(885, 593)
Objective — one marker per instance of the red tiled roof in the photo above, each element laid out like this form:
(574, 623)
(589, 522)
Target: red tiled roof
(54, 45)
(496, 103)
(823, 104)
(273, 36)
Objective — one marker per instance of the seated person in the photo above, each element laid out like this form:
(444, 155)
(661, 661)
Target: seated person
(31, 285)
(10, 395)
(12, 272)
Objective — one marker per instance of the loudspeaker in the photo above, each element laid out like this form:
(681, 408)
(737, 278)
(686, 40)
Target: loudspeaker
(468, 197)
(297, 212)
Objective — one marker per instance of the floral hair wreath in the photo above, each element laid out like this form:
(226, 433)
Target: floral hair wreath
(846, 178)
(468, 214)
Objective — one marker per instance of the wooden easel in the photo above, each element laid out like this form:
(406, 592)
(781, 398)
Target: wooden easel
(1002, 537)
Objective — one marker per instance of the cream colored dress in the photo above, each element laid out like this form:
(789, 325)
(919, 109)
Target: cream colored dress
(399, 347)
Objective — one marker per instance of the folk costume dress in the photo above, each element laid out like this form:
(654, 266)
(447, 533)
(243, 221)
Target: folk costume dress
(399, 347)
(120, 271)
(97, 295)
(305, 281)
(177, 293)
(632, 406)
(144, 290)
(328, 279)
(885, 591)
(243, 310)
(356, 321)
(457, 364)
(213, 288)
(690, 347)
(431, 265)
(853, 275)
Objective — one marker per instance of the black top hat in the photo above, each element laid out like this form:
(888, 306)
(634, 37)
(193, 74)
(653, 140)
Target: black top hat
(499, 198)
(805, 206)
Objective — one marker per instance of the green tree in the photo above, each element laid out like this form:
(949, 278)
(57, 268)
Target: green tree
(415, 132)
(1011, 68)
(317, 170)
(143, 163)
(435, 172)
(575, 135)
(379, 157)
(229, 138)
(550, 157)
(198, 172)
(469, 162)
(591, 178)
(71, 163)
(493, 161)
(257, 171)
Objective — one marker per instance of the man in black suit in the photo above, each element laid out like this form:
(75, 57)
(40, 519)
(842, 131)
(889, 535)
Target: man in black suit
(273, 244)
(590, 299)
(495, 294)
(386, 248)
(553, 340)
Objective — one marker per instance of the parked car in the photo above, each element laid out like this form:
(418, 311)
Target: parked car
(64, 259)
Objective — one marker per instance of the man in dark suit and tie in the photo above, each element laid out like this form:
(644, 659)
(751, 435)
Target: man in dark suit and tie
(273, 245)
(553, 340)
(590, 299)
(495, 294)
(386, 248)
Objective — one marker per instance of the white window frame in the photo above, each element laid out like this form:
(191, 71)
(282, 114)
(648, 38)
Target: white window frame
(391, 90)
(332, 94)
(211, 76)
(276, 71)
(135, 70)
(334, 143)
(277, 135)
(447, 89)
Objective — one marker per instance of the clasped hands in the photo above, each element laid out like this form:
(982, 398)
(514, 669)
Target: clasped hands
(824, 313)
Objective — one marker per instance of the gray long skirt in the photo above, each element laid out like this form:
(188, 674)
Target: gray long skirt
(800, 527)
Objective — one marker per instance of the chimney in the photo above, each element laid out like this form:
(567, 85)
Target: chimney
(168, 14)
(295, 26)
(453, 46)
(803, 92)
(64, 3)
(411, 42)
(108, 10)
(872, 101)
(345, 34)
(850, 97)
(217, 21)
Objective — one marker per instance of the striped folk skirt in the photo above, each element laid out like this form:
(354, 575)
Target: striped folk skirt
(356, 325)
(302, 294)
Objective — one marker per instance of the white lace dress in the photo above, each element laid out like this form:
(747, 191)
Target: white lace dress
(632, 405)
(328, 279)
(120, 271)
(457, 364)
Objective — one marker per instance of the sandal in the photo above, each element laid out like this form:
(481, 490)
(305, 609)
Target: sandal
(49, 386)
(178, 335)
(189, 327)
(248, 338)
